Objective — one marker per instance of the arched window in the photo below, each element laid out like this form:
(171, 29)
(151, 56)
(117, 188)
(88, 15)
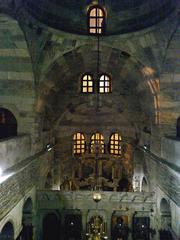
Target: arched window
(96, 20)
(115, 147)
(97, 143)
(87, 84)
(7, 232)
(104, 84)
(79, 143)
(8, 124)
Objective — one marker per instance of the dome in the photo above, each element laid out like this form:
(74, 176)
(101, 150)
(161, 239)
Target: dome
(122, 16)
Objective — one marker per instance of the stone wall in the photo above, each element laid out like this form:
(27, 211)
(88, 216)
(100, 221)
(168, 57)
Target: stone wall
(16, 75)
(21, 179)
(170, 150)
(165, 181)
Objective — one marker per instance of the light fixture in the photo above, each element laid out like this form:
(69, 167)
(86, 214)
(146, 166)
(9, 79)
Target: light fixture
(49, 147)
(97, 197)
(145, 147)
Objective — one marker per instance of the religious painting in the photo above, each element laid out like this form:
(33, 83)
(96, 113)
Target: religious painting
(73, 227)
(119, 227)
(141, 228)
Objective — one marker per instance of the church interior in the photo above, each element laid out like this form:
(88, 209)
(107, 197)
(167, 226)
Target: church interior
(89, 120)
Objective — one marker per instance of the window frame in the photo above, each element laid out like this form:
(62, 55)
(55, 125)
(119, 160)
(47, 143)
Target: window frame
(79, 146)
(96, 17)
(104, 83)
(83, 80)
(100, 140)
(115, 144)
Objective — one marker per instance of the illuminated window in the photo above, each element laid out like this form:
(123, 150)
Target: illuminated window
(104, 84)
(79, 143)
(96, 20)
(115, 147)
(97, 143)
(87, 84)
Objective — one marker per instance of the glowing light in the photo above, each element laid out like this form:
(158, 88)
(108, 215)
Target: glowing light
(49, 147)
(4, 178)
(148, 71)
(97, 196)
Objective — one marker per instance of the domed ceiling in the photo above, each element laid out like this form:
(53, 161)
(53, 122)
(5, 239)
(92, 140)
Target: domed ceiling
(122, 16)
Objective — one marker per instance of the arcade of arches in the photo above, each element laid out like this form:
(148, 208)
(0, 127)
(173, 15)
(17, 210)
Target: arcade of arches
(89, 120)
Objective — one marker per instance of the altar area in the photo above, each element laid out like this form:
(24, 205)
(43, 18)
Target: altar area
(79, 216)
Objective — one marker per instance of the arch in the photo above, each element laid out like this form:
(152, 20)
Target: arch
(97, 143)
(28, 206)
(178, 128)
(49, 84)
(123, 185)
(144, 185)
(119, 226)
(7, 232)
(165, 210)
(87, 83)
(96, 20)
(49, 181)
(105, 83)
(8, 124)
(27, 220)
(114, 144)
(165, 207)
(51, 227)
(78, 143)
(73, 226)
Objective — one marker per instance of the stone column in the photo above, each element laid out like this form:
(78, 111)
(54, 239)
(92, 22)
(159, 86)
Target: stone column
(84, 219)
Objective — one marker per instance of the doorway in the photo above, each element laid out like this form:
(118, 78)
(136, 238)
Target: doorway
(51, 227)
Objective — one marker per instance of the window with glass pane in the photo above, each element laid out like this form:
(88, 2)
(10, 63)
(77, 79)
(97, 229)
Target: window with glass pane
(115, 147)
(87, 84)
(96, 20)
(97, 143)
(104, 84)
(79, 143)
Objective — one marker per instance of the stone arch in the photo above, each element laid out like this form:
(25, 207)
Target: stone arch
(144, 185)
(49, 181)
(165, 210)
(7, 232)
(8, 123)
(27, 220)
(50, 81)
(28, 206)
